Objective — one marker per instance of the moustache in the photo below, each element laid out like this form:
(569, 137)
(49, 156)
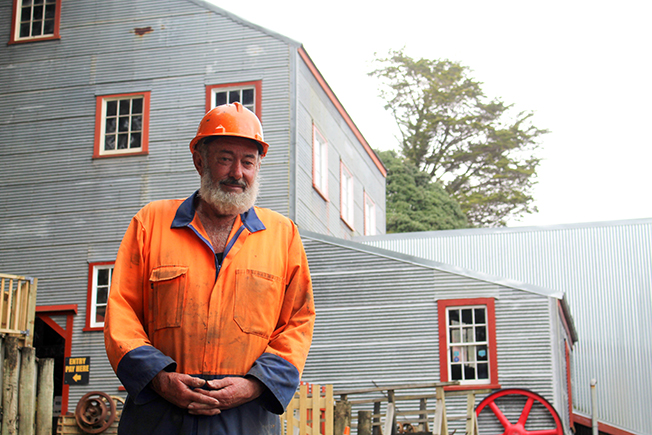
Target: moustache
(233, 182)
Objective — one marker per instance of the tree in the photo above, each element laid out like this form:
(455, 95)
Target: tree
(475, 148)
(415, 202)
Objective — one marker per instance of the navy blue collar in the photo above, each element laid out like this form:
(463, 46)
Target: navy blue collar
(186, 213)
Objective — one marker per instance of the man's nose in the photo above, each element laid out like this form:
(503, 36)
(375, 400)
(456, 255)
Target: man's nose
(236, 170)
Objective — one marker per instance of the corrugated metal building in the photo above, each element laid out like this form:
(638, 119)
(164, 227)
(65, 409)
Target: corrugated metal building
(99, 102)
(379, 320)
(605, 271)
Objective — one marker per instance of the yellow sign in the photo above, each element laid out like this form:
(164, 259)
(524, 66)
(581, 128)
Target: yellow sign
(77, 370)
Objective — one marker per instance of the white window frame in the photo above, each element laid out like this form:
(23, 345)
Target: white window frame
(319, 162)
(369, 216)
(346, 195)
(470, 345)
(231, 91)
(94, 304)
(32, 9)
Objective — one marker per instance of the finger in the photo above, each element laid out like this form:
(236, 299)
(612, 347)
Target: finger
(193, 382)
(217, 384)
(202, 409)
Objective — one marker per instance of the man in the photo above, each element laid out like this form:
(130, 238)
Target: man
(210, 314)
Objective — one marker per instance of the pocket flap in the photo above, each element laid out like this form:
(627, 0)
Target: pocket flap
(165, 273)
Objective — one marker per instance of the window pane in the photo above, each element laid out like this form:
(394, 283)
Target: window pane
(26, 14)
(24, 30)
(102, 277)
(123, 123)
(220, 98)
(102, 295)
(38, 2)
(479, 315)
(456, 372)
(467, 316)
(247, 97)
(469, 354)
(110, 125)
(453, 317)
(99, 314)
(137, 105)
(234, 96)
(124, 107)
(455, 354)
(483, 371)
(455, 336)
(48, 27)
(36, 28)
(467, 336)
(135, 140)
(122, 141)
(111, 108)
(109, 143)
(49, 11)
(480, 333)
(469, 371)
(38, 13)
(482, 353)
(136, 123)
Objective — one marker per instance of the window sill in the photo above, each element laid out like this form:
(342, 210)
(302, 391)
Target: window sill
(473, 387)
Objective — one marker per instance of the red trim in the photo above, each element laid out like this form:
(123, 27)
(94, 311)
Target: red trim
(602, 427)
(57, 21)
(367, 199)
(257, 84)
(89, 295)
(144, 146)
(442, 305)
(44, 312)
(329, 92)
(564, 321)
(568, 384)
(324, 192)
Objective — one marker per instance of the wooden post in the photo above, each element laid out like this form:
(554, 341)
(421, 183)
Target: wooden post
(471, 422)
(376, 420)
(342, 416)
(391, 404)
(27, 391)
(31, 313)
(10, 387)
(440, 420)
(423, 406)
(364, 422)
(44, 411)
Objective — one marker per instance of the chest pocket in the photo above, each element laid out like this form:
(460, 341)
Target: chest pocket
(168, 285)
(258, 298)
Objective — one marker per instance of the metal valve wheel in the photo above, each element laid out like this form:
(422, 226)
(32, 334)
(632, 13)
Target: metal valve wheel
(95, 412)
(518, 428)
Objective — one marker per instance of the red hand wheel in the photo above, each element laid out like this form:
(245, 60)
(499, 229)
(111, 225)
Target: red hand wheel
(95, 412)
(531, 400)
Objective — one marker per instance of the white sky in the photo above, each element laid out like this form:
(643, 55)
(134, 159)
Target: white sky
(583, 67)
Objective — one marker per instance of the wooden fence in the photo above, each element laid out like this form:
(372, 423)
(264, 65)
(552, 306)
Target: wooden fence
(310, 412)
(18, 306)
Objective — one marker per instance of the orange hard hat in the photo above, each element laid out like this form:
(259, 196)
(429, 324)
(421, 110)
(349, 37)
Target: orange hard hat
(231, 120)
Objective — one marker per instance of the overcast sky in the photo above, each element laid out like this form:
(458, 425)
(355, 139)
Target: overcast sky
(583, 67)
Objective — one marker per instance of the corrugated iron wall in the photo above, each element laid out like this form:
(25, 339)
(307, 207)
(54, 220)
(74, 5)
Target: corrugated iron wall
(605, 269)
(377, 323)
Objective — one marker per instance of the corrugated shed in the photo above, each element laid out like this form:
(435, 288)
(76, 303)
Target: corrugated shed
(377, 321)
(605, 270)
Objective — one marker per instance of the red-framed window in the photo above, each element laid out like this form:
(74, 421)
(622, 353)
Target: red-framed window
(319, 163)
(369, 216)
(467, 337)
(121, 125)
(346, 196)
(35, 20)
(99, 284)
(246, 93)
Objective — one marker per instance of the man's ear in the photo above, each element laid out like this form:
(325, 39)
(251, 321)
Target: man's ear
(198, 161)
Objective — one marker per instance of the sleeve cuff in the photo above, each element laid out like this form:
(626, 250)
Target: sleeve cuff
(281, 379)
(138, 367)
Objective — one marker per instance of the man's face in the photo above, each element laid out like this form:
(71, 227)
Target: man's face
(228, 167)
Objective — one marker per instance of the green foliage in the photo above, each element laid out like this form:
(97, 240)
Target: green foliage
(482, 155)
(415, 202)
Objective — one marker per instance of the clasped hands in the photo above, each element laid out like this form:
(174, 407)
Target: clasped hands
(201, 397)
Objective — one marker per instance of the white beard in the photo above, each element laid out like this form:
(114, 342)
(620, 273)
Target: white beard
(227, 203)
